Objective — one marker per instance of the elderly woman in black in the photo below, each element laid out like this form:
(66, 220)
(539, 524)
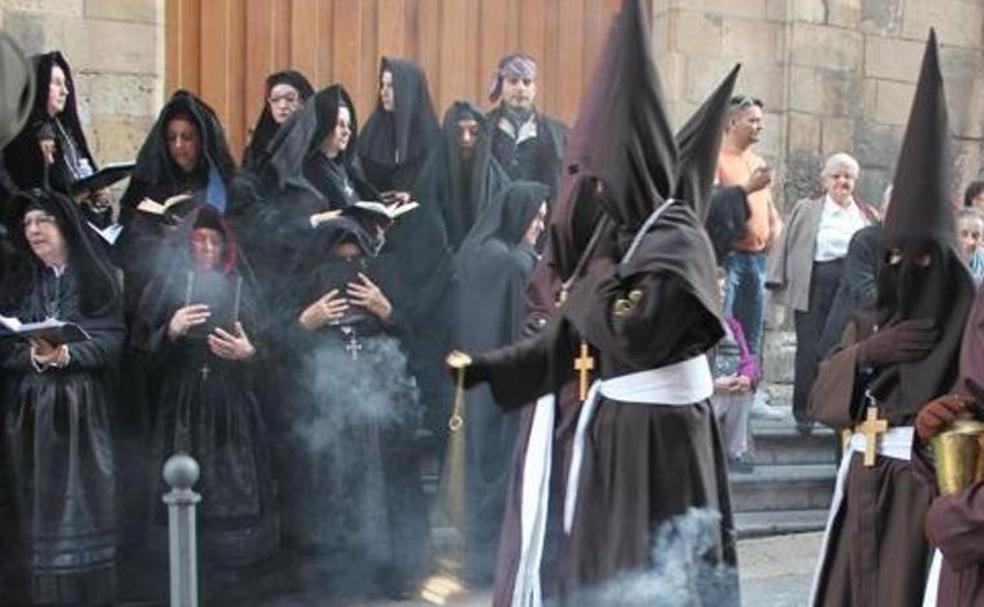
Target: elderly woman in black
(58, 400)
(807, 264)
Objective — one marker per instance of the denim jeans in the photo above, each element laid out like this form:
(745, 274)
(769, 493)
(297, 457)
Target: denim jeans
(744, 295)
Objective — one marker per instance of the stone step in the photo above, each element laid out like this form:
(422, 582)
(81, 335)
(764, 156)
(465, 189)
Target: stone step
(779, 522)
(778, 443)
(772, 488)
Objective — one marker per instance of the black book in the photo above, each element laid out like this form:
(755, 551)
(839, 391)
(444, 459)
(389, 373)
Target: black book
(103, 178)
(222, 294)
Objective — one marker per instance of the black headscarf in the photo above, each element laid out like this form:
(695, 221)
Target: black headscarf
(466, 194)
(305, 131)
(405, 135)
(156, 175)
(509, 214)
(266, 127)
(920, 221)
(100, 291)
(22, 157)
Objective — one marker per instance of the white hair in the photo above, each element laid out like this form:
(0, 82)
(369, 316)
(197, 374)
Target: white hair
(841, 159)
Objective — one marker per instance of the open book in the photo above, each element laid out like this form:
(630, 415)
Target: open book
(156, 208)
(55, 332)
(103, 178)
(377, 211)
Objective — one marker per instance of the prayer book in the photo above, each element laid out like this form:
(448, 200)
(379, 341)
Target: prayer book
(156, 208)
(53, 331)
(103, 178)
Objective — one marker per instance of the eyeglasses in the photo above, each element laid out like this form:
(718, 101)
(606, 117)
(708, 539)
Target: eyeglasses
(741, 102)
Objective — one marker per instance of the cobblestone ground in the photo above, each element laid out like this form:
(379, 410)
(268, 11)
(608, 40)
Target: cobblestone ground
(775, 572)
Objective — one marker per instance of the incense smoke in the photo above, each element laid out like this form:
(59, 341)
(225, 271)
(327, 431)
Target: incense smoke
(686, 570)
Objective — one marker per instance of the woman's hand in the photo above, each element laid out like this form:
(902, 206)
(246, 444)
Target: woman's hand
(185, 318)
(327, 309)
(231, 346)
(46, 355)
(397, 198)
(366, 294)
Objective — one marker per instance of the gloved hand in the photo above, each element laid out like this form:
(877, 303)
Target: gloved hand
(908, 341)
(939, 413)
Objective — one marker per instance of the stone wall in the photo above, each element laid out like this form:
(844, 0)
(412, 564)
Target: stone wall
(116, 51)
(836, 75)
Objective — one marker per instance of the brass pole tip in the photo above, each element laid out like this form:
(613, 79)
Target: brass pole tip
(458, 360)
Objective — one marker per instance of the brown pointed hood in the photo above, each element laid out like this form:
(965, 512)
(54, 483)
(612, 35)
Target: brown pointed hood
(698, 141)
(920, 209)
(623, 136)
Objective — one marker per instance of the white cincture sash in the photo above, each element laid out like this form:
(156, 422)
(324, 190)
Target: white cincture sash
(535, 498)
(933, 580)
(896, 444)
(680, 384)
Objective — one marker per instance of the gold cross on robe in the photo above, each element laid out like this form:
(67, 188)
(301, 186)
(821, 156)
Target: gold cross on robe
(583, 364)
(871, 427)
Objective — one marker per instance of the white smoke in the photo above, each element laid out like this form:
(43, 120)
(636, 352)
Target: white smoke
(686, 569)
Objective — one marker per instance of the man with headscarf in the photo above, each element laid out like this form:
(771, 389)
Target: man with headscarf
(895, 356)
(527, 143)
(472, 176)
(648, 304)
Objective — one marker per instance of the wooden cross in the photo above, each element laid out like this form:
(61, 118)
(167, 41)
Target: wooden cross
(583, 364)
(871, 427)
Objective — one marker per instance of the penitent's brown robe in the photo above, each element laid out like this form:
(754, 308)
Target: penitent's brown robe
(877, 555)
(644, 464)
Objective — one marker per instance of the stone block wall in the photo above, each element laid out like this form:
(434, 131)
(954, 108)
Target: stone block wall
(116, 50)
(835, 75)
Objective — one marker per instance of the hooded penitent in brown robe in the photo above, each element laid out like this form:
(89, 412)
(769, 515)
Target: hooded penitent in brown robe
(955, 523)
(645, 465)
(903, 351)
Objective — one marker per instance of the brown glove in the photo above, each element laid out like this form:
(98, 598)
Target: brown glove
(908, 341)
(938, 414)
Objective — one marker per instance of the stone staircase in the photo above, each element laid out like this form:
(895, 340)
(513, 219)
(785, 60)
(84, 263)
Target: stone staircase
(791, 486)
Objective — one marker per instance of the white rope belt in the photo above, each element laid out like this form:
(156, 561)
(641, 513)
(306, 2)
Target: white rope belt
(680, 384)
(896, 444)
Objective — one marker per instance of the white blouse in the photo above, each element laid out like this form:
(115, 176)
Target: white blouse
(837, 225)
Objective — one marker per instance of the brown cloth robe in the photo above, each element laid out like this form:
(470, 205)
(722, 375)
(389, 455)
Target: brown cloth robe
(955, 523)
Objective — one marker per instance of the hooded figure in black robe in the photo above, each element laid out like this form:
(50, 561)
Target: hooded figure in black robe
(207, 406)
(56, 423)
(158, 176)
(401, 152)
(472, 177)
(256, 152)
(648, 301)
(494, 267)
(283, 210)
(72, 160)
(528, 144)
(352, 494)
(894, 357)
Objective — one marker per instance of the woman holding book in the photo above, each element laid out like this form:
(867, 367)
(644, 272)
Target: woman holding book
(58, 401)
(198, 324)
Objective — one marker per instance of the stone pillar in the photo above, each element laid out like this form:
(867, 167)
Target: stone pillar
(181, 474)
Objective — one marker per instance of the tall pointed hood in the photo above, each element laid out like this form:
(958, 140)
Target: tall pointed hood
(920, 207)
(623, 136)
(698, 141)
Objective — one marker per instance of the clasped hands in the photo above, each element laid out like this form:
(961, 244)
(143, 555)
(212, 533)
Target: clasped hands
(45, 355)
(225, 345)
(332, 306)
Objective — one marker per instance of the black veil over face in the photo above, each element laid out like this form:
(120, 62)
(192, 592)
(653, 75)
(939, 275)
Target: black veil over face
(921, 275)
(100, 290)
(157, 174)
(406, 134)
(266, 127)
